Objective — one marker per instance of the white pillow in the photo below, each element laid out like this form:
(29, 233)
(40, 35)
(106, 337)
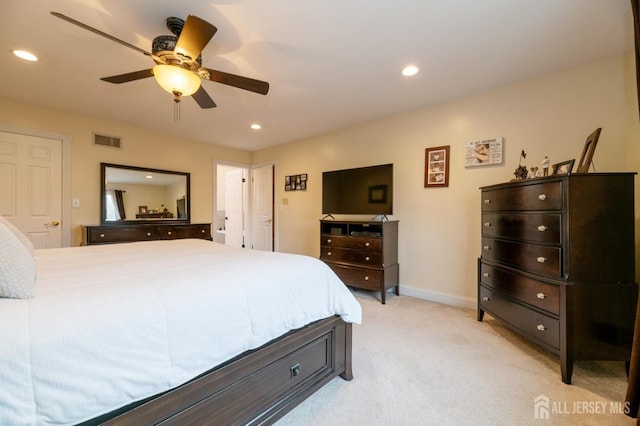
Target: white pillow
(17, 267)
(23, 238)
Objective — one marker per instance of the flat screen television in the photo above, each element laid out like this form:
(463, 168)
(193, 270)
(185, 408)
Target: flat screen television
(363, 190)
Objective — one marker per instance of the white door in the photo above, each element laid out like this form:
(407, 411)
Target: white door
(31, 190)
(262, 208)
(234, 209)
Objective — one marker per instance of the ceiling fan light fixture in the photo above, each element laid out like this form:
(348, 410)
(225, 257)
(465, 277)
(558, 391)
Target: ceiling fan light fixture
(176, 80)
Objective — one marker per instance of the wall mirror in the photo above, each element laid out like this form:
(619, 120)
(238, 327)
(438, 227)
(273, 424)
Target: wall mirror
(136, 194)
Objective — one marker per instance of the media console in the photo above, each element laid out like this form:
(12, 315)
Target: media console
(363, 254)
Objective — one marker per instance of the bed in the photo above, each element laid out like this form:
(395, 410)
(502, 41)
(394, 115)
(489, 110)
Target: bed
(169, 332)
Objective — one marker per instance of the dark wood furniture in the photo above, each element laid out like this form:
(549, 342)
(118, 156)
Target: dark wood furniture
(363, 254)
(166, 215)
(258, 387)
(558, 263)
(129, 232)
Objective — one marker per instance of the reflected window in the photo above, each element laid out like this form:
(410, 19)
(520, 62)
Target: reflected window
(111, 206)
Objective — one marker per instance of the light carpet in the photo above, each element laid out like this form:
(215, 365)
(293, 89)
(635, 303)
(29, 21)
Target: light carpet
(417, 362)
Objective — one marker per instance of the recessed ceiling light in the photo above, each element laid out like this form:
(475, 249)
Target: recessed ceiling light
(410, 70)
(256, 126)
(27, 56)
(149, 177)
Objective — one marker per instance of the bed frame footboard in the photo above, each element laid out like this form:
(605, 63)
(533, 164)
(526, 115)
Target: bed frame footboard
(257, 387)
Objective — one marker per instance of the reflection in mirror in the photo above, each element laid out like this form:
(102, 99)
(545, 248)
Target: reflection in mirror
(135, 194)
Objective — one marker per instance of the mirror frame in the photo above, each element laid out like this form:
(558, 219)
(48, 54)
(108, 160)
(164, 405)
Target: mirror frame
(103, 210)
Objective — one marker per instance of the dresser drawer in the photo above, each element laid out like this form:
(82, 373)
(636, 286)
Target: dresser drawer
(362, 278)
(336, 254)
(536, 293)
(534, 324)
(534, 258)
(118, 235)
(541, 196)
(186, 231)
(358, 243)
(535, 227)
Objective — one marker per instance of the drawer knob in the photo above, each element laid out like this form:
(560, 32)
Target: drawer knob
(485, 274)
(541, 296)
(485, 299)
(329, 241)
(487, 224)
(366, 278)
(541, 259)
(486, 248)
(169, 233)
(541, 327)
(367, 258)
(542, 197)
(366, 244)
(487, 201)
(148, 234)
(101, 235)
(542, 228)
(202, 230)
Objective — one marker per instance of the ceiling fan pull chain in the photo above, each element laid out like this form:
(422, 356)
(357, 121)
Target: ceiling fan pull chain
(176, 107)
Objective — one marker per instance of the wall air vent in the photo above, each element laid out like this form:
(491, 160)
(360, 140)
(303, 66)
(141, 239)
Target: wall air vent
(110, 141)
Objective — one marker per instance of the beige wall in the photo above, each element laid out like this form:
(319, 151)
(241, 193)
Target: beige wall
(440, 228)
(139, 148)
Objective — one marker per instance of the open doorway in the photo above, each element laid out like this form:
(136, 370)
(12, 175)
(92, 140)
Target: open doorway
(231, 205)
(244, 213)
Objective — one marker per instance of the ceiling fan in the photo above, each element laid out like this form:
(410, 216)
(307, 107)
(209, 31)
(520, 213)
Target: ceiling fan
(178, 59)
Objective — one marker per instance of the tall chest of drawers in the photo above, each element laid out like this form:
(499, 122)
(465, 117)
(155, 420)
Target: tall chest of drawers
(363, 254)
(558, 263)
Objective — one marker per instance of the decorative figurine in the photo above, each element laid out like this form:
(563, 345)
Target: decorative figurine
(521, 172)
(545, 166)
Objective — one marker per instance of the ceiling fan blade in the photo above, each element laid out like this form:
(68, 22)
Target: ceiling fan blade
(246, 83)
(195, 35)
(103, 34)
(130, 76)
(203, 99)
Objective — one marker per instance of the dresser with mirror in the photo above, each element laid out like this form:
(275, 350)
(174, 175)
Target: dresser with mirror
(143, 204)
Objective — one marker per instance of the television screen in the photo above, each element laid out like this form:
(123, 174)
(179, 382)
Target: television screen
(364, 190)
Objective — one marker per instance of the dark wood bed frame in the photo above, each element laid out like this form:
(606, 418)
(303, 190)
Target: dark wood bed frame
(257, 387)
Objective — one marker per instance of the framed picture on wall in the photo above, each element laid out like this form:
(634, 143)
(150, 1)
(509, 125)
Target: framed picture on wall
(436, 167)
(486, 152)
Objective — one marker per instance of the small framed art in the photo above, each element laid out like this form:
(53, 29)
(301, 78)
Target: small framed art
(295, 182)
(488, 152)
(436, 167)
(563, 168)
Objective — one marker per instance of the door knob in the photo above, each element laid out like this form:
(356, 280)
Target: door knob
(53, 223)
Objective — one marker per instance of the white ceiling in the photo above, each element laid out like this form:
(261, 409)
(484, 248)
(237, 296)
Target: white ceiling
(330, 63)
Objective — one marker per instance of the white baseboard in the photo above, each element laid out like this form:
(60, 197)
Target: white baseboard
(434, 296)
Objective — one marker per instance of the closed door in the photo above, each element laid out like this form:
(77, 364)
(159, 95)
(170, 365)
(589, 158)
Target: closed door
(234, 208)
(31, 190)
(262, 208)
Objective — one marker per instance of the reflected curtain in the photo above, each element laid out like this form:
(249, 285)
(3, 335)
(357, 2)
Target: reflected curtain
(120, 203)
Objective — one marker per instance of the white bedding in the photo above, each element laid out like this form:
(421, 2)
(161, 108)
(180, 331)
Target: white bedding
(113, 324)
